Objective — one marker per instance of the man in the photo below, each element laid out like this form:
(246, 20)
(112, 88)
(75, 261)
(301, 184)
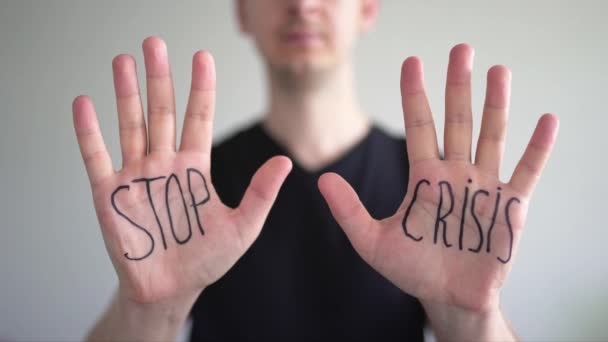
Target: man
(443, 253)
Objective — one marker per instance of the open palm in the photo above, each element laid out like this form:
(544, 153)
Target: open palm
(165, 229)
(453, 239)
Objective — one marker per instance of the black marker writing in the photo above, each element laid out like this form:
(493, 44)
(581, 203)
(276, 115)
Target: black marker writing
(508, 219)
(446, 194)
(170, 183)
(463, 215)
(113, 200)
(440, 218)
(148, 190)
(179, 186)
(488, 247)
(479, 229)
(409, 209)
(203, 201)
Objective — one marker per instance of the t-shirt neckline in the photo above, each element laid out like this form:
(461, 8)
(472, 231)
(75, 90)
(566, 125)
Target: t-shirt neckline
(333, 165)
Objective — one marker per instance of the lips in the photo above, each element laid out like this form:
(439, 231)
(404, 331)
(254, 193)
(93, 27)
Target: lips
(302, 38)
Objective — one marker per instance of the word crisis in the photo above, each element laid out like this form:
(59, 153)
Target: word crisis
(171, 182)
(446, 200)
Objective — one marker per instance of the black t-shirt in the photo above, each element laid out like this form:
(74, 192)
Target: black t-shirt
(301, 280)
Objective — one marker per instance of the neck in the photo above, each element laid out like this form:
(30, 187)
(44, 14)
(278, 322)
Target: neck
(316, 119)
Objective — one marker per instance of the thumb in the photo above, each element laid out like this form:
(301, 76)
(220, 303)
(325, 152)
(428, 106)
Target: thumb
(260, 196)
(350, 213)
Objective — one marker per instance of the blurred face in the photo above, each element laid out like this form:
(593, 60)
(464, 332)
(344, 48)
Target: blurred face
(305, 36)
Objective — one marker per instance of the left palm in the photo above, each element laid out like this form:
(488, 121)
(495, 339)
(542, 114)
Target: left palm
(453, 238)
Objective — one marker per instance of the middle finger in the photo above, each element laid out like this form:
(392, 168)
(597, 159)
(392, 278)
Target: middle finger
(161, 101)
(458, 115)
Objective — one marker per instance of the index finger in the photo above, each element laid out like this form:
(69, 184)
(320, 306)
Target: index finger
(92, 147)
(530, 166)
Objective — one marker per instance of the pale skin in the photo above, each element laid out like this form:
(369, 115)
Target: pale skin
(458, 289)
(169, 281)
(453, 285)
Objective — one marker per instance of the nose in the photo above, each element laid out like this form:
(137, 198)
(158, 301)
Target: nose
(300, 8)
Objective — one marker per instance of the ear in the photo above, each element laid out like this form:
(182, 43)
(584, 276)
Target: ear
(241, 15)
(369, 14)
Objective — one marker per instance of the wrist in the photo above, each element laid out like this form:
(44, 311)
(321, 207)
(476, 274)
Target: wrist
(161, 320)
(451, 322)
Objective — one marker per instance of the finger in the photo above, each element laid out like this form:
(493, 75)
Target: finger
(131, 120)
(491, 143)
(260, 196)
(92, 148)
(161, 102)
(458, 114)
(198, 121)
(349, 212)
(417, 116)
(530, 166)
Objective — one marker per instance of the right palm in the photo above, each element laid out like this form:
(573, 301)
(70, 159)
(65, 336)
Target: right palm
(165, 242)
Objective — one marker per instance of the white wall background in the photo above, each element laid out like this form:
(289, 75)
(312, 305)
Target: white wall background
(55, 276)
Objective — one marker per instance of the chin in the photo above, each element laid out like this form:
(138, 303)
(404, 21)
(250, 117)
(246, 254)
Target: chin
(304, 74)
(306, 67)
(306, 63)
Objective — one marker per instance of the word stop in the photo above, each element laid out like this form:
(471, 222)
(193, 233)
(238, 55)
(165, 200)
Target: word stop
(172, 182)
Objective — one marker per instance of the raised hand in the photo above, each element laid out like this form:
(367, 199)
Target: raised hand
(165, 229)
(453, 239)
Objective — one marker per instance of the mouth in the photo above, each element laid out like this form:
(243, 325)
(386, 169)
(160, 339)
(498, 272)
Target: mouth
(302, 38)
